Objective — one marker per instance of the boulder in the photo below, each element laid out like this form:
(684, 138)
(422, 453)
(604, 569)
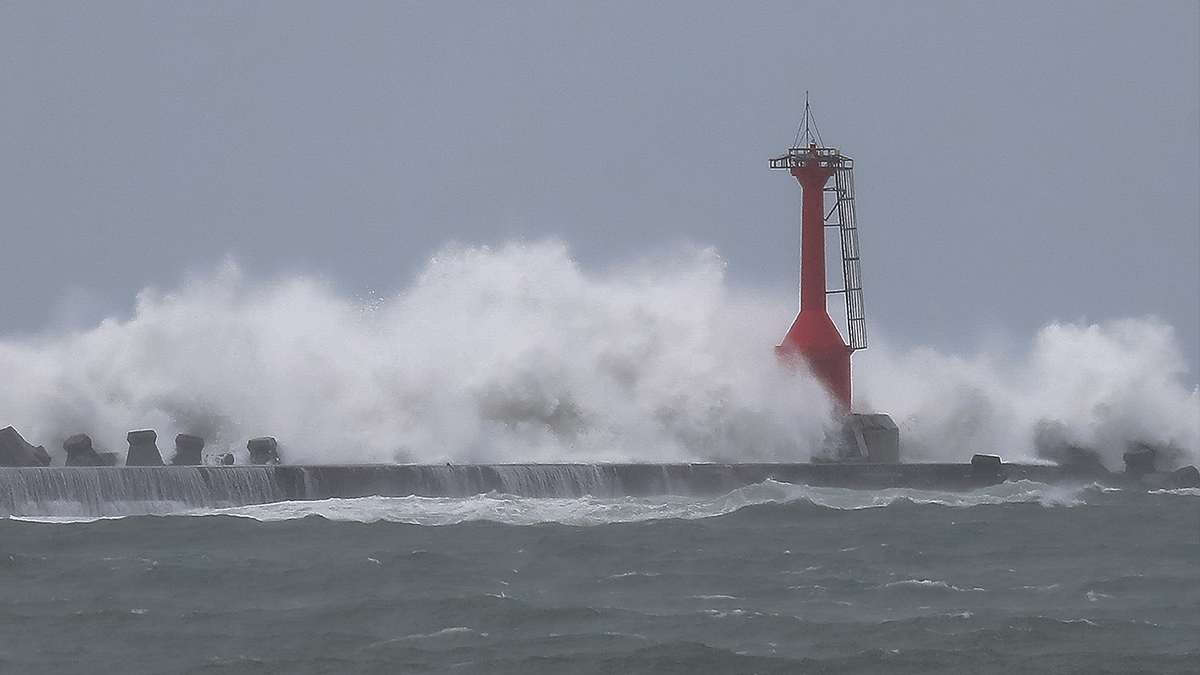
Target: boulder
(81, 453)
(143, 448)
(188, 449)
(263, 450)
(16, 451)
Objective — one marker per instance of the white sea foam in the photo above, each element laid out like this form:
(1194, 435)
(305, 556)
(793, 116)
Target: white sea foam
(61, 519)
(1014, 492)
(454, 630)
(933, 583)
(516, 354)
(433, 511)
(1187, 492)
(591, 511)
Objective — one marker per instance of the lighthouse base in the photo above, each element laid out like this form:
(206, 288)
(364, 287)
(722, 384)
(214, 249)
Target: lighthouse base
(814, 340)
(864, 438)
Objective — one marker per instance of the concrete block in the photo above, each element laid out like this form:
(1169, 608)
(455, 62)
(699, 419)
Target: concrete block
(16, 451)
(1140, 460)
(188, 450)
(143, 448)
(871, 437)
(987, 469)
(263, 450)
(80, 451)
(1186, 477)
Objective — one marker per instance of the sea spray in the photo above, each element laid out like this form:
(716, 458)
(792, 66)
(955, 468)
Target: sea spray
(516, 354)
(491, 355)
(1100, 386)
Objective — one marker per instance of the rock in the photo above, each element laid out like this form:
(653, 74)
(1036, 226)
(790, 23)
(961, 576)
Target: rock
(188, 449)
(1140, 459)
(81, 453)
(263, 450)
(1186, 477)
(986, 469)
(108, 458)
(16, 451)
(143, 449)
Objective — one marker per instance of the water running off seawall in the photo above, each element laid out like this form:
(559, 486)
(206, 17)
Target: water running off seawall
(591, 510)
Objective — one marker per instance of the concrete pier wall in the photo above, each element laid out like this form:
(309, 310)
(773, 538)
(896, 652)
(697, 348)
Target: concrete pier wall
(103, 490)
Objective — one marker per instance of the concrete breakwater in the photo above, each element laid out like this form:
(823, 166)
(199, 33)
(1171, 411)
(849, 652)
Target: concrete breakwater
(87, 491)
(92, 483)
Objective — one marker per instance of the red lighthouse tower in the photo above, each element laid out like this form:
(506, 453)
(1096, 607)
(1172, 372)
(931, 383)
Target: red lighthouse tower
(813, 336)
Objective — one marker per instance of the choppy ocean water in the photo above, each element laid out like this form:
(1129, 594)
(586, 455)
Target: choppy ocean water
(772, 578)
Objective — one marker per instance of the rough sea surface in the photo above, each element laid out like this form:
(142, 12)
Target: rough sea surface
(773, 578)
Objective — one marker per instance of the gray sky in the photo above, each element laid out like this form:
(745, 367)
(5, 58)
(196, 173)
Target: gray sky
(1016, 163)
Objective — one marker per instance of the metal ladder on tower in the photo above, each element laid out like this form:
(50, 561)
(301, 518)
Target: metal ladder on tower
(843, 209)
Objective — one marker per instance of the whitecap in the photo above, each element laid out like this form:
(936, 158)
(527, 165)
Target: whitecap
(932, 583)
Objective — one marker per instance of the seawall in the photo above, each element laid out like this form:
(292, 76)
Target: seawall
(117, 490)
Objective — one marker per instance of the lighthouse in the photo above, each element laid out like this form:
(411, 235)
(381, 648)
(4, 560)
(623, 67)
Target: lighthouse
(813, 338)
(826, 178)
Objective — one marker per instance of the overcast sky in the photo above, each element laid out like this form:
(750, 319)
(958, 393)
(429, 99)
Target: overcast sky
(1016, 163)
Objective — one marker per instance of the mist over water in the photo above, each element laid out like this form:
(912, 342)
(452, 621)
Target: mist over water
(1097, 386)
(516, 354)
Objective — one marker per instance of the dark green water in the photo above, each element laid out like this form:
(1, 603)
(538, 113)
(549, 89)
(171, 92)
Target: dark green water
(772, 579)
